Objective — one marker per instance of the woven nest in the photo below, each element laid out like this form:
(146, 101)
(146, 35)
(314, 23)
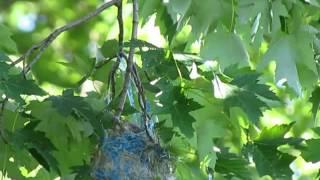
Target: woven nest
(130, 155)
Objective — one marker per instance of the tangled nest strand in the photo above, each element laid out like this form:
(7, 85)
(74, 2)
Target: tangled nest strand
(130, 155)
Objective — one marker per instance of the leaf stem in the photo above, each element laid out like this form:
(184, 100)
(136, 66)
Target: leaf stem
(232, 16)
(179, 72)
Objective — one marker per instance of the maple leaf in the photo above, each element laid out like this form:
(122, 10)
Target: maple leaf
(178, 106)
(249, 93)
(292, 59)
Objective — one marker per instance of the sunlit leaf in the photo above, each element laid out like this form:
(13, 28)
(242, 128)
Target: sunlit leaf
(293, 58)
(226, 48)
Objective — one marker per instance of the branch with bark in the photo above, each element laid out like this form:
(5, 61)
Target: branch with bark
(111, 80)
(132, 74)
(39, 48)
(134, 34)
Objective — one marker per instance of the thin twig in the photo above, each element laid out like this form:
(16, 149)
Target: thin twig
(111, 80)
(120, 24)
(123, 94)
(40, 47)
(137, 81)
(94, 69)
(142, 101)
(103, 62)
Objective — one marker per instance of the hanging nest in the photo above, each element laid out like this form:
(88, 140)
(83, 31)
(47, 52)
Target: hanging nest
(131, 155)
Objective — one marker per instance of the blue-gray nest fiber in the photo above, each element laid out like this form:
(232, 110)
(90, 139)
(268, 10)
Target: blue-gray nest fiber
(130, 155)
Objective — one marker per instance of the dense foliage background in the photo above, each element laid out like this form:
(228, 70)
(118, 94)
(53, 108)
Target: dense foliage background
(231, 85)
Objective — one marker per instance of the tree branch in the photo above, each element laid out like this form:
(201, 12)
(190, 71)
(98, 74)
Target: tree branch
(120, 24)
(142, 103)
(40, 47)
(111, 79)
(134, 34)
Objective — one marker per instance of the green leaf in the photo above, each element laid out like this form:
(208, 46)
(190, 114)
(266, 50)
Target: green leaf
(231, 165)
(165, 133)
(12, 119)
(53, 123)
(211, 124)
(248, 102)
(110, 48)
(37, 144)
(83, 172)
(83, 66)
(316, 130)
(189, 170)
(157, 64)
(249, 93)
(88, 111)
(3, 57)
(180, 146)
(268, 159)
(151, 58)
(21, 157)
(207, 130)
(7, 44)
(275, 133)
(4, 70)
(75, 155)
(315, 3)
(226, 48)
(176, 104)
(311, 151)
(166, 24)
(295, 62)
(182, 120)
(63, 131)
(102, 73)
(15, 86)
(208, 13)
(68, 103)
(148, 8)
(178, 8)
(249, 82)
(256, 17)
(279, 10)
(315, 100)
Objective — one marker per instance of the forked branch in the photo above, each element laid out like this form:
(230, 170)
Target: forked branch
(39, 48)
(134, 34)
